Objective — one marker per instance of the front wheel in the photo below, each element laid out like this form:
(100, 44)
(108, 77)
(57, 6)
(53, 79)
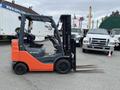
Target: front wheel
(63, 66)
(110, 52)
(20, 69)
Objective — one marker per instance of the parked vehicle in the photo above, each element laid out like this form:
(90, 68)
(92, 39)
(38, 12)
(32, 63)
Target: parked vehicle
(7, 29)
(78, 36)
(116, 34)
(9, 12)
(98, 40)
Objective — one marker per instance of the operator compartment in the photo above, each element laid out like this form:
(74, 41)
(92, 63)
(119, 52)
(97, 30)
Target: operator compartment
(40, 39)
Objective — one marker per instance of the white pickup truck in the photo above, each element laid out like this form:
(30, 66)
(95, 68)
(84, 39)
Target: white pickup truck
(98, 40)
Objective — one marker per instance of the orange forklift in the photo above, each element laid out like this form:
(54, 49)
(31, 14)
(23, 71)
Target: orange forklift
(27, 55)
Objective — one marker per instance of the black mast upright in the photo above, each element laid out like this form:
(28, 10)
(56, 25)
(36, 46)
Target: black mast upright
(68, 42)
(66, 32)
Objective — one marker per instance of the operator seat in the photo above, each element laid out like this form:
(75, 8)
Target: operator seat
(35, 51)
(30, 40)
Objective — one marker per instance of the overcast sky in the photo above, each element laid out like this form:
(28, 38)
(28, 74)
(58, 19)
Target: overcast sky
(78, 7)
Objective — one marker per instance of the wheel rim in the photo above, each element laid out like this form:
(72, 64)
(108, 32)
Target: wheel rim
(20, 70)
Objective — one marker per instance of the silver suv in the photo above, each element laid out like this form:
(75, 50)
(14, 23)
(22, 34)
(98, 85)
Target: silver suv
(77, 34)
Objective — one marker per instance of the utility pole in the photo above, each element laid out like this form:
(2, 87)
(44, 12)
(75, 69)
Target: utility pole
(89, 18)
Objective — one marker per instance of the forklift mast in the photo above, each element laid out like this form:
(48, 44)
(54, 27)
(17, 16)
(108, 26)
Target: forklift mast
(69, 46)
(66, 32)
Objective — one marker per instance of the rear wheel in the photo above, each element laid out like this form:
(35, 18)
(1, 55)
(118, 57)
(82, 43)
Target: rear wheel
(20, 69)
(77, 44)
(63, 66)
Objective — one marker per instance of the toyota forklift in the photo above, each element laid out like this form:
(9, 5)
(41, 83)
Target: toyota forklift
(29, 56)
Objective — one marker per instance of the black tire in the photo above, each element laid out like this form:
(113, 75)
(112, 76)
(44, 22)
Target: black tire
(63, 66)
(84, 50)
(81, 42)
(112, 53)
(117, 48)
(20, 69)
(77, 44)
(108, 53)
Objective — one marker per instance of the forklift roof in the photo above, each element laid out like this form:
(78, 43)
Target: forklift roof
(12, 6)
(38, 18)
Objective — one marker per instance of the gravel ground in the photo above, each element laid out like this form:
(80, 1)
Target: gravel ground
(105, 75)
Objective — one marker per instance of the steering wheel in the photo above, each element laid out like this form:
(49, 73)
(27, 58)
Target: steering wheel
(52, 39)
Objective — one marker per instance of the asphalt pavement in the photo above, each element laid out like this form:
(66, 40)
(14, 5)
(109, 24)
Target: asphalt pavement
(97, 72)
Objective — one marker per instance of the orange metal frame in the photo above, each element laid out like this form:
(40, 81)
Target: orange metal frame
(32, 63)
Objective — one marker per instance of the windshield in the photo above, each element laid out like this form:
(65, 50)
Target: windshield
(76, 30)
(116, 31)
(40, 29)
(98, 31)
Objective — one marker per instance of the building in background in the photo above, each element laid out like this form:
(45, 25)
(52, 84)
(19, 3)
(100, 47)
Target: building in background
(90, 21)
(77, 22)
